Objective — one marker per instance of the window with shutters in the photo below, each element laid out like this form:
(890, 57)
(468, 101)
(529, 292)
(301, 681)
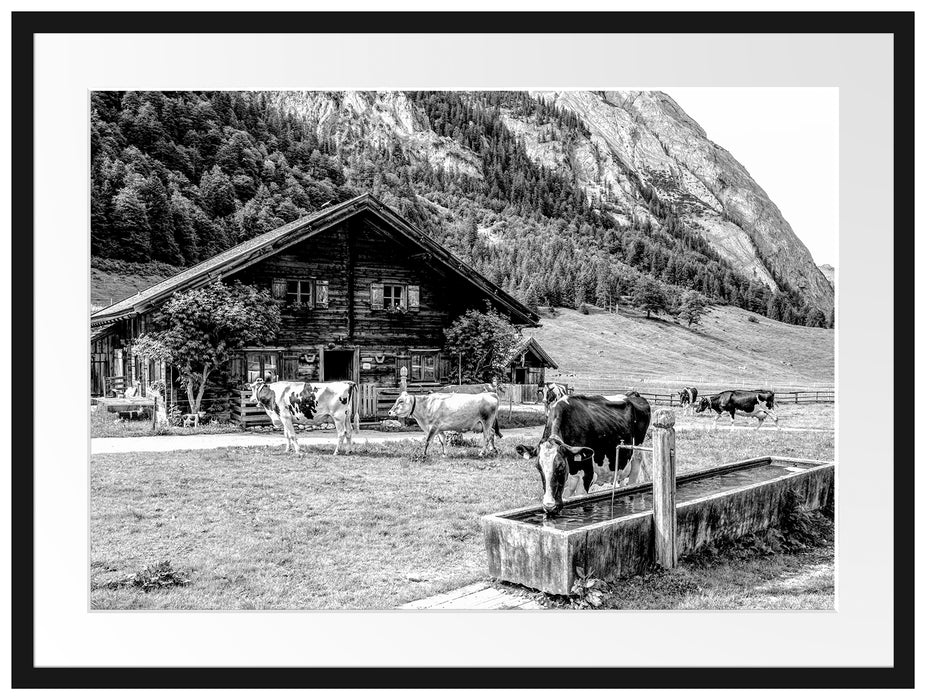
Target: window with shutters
(299, 292)
(393, 297)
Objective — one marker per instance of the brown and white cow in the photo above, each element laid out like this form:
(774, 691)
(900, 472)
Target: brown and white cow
(551, 392)
(287, 403)
(440, 412)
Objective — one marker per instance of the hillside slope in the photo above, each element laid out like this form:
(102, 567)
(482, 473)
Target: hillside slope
(601, 351)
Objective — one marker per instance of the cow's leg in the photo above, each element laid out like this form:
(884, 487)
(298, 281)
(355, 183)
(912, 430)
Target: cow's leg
(488, 436)
(341, 429)
(427, 440)
(289, 431)
(774, 418)
(635, 472)
(349, 431)
(572, 483)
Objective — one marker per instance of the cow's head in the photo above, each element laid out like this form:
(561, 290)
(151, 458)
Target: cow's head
(703, 404)
(255, 387)
(549, 393)
(553, 458)
(403, 407)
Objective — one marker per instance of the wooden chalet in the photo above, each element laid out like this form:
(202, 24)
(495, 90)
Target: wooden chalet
(364, 294)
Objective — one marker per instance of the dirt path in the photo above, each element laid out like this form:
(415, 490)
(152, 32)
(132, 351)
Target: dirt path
(171, 443)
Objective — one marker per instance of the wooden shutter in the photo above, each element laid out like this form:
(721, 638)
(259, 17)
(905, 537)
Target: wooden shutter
(238, 372)
(279, 288)
(414, 297)
(290, 366)
(376, 295)
(321, 294)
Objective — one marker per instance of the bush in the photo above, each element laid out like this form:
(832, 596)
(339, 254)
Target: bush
(583, 309)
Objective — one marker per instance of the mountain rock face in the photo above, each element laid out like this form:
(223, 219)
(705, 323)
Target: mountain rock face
(381, 119)
(647, 138)
(830, 273)
(635, 147)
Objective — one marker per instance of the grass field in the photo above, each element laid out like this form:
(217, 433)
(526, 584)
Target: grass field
(258, 529)
(602, 350)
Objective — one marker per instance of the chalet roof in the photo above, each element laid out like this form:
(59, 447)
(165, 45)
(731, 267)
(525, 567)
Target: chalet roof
(530, 344)
(264, 245)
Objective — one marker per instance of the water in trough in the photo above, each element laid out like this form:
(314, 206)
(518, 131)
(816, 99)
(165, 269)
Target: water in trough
(576, 515)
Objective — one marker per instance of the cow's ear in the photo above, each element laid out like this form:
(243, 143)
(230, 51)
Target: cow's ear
(526, 451)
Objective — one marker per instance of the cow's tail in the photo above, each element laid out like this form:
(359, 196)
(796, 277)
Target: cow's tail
(352, 402)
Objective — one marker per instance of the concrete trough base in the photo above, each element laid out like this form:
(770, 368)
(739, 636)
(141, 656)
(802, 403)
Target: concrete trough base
(544, 556)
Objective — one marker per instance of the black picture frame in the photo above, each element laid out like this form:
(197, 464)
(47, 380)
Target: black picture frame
(25, 25)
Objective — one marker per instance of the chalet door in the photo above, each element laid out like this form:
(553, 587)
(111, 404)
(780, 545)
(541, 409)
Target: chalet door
(338, 365)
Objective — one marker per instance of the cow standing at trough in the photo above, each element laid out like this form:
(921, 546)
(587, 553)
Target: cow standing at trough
(582, 431)
(287, 403)
(440, 412)
(754, 403)
(688, 398)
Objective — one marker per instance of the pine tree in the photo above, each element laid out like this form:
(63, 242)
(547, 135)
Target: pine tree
(217, 192)
(693, 306)
(130, 225)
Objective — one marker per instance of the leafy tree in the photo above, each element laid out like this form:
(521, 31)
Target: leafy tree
(650, 296)
(485, 342)
(196, 331)
(692, 308)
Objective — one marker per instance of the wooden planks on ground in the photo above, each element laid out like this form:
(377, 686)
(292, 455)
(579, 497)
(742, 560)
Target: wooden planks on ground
(476, 596)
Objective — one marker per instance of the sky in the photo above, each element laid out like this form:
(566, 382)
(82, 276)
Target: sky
(788, 141)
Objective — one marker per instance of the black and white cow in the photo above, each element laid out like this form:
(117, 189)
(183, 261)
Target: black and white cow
(688, 398)
(754, 403)
(287, 403)
(582, 431)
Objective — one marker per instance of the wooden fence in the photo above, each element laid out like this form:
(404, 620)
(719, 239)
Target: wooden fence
(785, 397)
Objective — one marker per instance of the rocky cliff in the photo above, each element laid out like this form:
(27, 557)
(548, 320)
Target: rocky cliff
(642, 140)
(638, 156)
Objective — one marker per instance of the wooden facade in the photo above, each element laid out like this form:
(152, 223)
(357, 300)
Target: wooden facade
(363, 295)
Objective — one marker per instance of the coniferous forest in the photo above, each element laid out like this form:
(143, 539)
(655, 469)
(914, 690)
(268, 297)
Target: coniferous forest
(177, 177)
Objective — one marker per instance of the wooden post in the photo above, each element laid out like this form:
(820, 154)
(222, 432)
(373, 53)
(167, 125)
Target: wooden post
(154, 413)
(664, 523)
(403, 379)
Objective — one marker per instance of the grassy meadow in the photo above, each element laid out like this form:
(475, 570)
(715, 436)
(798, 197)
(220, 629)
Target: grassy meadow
(254, 528)
(612, 351)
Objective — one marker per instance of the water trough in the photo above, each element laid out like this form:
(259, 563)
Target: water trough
(621, 539)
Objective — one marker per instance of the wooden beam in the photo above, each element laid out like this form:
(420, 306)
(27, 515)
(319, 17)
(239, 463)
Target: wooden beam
(664, 517)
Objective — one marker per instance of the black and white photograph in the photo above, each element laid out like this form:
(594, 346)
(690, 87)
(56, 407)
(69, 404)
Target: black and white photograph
(463, 350)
